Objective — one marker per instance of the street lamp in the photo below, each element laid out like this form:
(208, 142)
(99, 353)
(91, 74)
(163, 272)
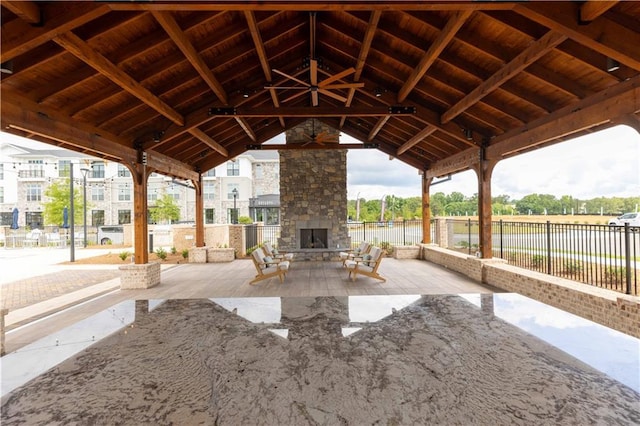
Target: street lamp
(84, 171)
(234, 219)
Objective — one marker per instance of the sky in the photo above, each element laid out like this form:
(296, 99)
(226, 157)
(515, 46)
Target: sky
(603, 164)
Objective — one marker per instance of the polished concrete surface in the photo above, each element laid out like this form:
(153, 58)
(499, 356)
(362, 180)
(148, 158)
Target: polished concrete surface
(427, 347)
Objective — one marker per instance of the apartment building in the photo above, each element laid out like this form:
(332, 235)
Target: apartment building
(25, 174)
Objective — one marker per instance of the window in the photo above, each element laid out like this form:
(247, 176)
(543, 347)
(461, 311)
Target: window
(210, 173)
(97, 170)
(152, 196)
(233, 168)
(124, 192)
(64, 167)
(34, 220)
(1, 171)
(174, 193)
(208, 190)
(97, 217)
(6, 218)
(35, 169)
(124, 216)
(1, 194)
(97, 193)
(259, 171)
(34, 192)
(230, 188)
(209, 215)
(123, 171)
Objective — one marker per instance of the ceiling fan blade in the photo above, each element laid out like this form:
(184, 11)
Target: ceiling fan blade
(343, 86)
(292, 97)
(304, 83)
(314, 97)
(314, 72)
(333, 95)
(336, 77)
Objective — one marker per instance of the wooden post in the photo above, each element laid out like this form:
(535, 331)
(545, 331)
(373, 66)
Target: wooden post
(140, 174)
(426, 209)
(199, 213)
(484, 169)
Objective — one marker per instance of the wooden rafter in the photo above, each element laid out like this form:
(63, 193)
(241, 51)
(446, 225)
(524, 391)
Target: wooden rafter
(264, 112)
(435, 49)
(531, 54)
(28, 11)
(209, 141)
(74, 45)
(180, 39)
(416, 139)
(592, 9)
(602, 35)
(246, 127)
(19, 37)
(377, 127)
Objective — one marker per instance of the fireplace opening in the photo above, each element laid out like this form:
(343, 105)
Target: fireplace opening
(313, 238)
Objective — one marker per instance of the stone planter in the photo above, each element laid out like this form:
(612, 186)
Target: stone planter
(198, 255)
(216, 255)
(135, 276)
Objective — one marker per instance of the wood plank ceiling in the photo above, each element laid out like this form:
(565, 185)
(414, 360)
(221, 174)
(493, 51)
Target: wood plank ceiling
(193, 84)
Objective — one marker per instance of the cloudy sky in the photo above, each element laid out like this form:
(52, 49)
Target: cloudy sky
(603, 164)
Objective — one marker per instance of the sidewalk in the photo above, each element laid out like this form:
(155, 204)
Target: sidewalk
(34, 283)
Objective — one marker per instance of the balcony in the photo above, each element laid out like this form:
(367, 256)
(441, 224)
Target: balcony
(31, 174)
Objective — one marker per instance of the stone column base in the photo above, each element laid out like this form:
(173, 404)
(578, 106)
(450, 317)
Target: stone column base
(135, 277)
(215, 255)
(198, 255)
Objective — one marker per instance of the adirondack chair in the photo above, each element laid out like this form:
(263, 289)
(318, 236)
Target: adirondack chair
(366, 265)
(361, 250)
(268, 267)
(275, 254)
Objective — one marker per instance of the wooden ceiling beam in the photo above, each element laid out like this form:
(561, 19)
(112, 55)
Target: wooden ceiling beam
(458, 162)
(246, 127)
(378, 126)
(602, 35)
(530, 55)
(189, 51)
(19, 37)
(616, 101)
(262, 56)
(310, 112)
(590, 10)
(85, 53)
(445, 36)
(305, 6)
(28, 11)
(207, 140)
(416, 139)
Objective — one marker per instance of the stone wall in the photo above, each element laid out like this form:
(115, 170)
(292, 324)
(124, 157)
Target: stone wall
(609, 308)
(313, 190)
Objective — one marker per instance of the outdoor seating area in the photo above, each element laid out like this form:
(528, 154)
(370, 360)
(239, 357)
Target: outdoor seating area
(267, 266)
(367, 264)
(362, 249)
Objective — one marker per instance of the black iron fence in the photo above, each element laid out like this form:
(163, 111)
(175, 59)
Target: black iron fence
(600, 255)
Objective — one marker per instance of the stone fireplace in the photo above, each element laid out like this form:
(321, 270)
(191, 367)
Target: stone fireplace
(313, 197)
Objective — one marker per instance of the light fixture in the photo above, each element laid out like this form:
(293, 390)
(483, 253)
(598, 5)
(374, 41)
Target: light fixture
(6, 67)
(157, 136)
(379, 92)
(468, 133)
(245, 93)
(612, 65)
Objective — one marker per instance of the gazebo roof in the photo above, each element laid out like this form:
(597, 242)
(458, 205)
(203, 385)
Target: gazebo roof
(435, 84)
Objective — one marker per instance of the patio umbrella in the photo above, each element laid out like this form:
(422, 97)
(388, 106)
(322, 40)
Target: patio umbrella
(65, 218)
(14, 221)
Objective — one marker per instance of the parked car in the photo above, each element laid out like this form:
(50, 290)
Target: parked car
(633, 219)
(110, 235)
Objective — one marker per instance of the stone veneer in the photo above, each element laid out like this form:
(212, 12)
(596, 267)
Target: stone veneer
(313, 190)
(139, 276)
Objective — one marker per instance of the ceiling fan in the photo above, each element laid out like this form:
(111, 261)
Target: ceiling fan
(322, 137)
(314, 87)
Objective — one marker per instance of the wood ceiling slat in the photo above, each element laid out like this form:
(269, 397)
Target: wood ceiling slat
(590, 10)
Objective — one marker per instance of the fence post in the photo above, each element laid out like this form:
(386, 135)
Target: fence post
(627, 256)
(549, 247)
(404, 232)
(501, 254)
(469, 233)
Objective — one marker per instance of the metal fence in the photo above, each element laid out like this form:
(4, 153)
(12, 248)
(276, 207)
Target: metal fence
(600, 255)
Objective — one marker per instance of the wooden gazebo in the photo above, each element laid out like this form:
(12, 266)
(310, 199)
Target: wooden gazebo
(178, 87)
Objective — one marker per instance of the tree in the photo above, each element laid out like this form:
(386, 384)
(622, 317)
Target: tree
(165, 210)
(57, 198)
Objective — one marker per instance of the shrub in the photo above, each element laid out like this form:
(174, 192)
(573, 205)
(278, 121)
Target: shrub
(572, 266)
(245, 220)
(387, 247)
(185, 253)
(537, 260)
(124, 255)
(161, 253)
(173, 250)
(251, 250)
